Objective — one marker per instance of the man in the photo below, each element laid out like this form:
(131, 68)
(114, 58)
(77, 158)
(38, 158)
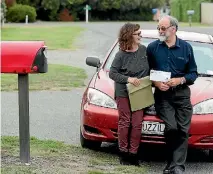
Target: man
(172, 99)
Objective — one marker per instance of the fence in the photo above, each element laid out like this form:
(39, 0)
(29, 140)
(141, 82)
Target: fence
(207, 13)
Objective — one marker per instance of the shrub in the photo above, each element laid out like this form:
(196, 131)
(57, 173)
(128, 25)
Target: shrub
(10, 3)
(64, 15)
(18, 12)
(32, 3)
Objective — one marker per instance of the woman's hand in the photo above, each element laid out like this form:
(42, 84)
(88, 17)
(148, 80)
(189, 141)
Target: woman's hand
(134, 81)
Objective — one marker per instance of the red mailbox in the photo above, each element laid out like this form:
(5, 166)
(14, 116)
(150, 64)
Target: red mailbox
(23, 57)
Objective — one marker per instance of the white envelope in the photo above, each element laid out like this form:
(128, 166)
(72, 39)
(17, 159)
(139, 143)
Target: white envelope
(160, 76)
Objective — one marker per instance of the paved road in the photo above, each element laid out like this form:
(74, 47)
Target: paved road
(55, 114)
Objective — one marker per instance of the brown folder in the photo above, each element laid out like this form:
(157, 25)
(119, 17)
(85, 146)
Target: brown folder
(142, 96)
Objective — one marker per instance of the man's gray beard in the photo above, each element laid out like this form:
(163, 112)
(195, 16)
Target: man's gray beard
(162, 38)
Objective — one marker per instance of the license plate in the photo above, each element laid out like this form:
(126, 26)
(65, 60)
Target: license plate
(154, 128)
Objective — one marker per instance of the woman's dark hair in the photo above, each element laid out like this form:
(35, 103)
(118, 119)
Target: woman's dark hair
(125, 38)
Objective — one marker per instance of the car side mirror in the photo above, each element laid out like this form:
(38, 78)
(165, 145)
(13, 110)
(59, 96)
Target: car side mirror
(93, 61)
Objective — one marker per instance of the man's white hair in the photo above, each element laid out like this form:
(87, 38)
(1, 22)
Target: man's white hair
(173, 21)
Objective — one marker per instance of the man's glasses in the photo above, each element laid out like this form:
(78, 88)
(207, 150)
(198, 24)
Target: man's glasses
(139, 34)
(163, 28)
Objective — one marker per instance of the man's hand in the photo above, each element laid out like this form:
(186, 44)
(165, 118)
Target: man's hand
(161, 85)
(134, 81)
(174, 82)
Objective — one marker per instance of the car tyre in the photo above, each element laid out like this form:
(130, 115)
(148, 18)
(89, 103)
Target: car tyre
(211, 155)
(90, 144)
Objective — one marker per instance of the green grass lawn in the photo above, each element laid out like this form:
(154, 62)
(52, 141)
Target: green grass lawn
(58, 77)
(55, 37)
(53, 157)
(194, 24)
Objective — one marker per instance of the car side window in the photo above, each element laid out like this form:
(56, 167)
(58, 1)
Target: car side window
(111, 58)
(203, 54)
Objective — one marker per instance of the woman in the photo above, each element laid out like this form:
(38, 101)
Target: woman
(129, 65)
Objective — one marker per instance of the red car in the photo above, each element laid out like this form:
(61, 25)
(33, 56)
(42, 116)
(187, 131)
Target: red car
(99, 115)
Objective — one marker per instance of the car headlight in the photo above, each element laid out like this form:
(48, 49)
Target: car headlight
(100, 99)
(205, 107)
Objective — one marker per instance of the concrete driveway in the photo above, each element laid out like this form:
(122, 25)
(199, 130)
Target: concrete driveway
(55, 114)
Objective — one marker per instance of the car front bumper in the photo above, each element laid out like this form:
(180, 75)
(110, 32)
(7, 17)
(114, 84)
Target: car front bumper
(100, 124)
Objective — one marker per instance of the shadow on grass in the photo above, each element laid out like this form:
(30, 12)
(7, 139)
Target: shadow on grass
(157, 153)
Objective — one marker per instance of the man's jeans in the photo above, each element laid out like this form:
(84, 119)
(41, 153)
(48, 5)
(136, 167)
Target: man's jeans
(175, 109)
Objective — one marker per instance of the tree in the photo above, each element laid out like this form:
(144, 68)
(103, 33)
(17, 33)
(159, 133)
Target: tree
(152, 3)
(76, 2)
(9, 3)
(104, 5)
(125, 5)
(51, 4)
(51, 7)
(124, 9)
(33, 3)
(3, 11)
(129, 5)
(101, 9)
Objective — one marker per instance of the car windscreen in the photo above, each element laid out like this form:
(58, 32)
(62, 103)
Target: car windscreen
(203, 53)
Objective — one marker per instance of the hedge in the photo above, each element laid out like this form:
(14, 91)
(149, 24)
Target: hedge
(18, 12)
(179, 9)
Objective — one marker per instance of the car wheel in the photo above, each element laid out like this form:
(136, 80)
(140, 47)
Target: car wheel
(90, 144)
(211, 155)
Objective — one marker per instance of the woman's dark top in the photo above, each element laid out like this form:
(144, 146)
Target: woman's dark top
(128, 64)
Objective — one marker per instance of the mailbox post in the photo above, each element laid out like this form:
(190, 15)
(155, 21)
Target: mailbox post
(87, 8)
(24, 131)
(23, 58)
(190, 13)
